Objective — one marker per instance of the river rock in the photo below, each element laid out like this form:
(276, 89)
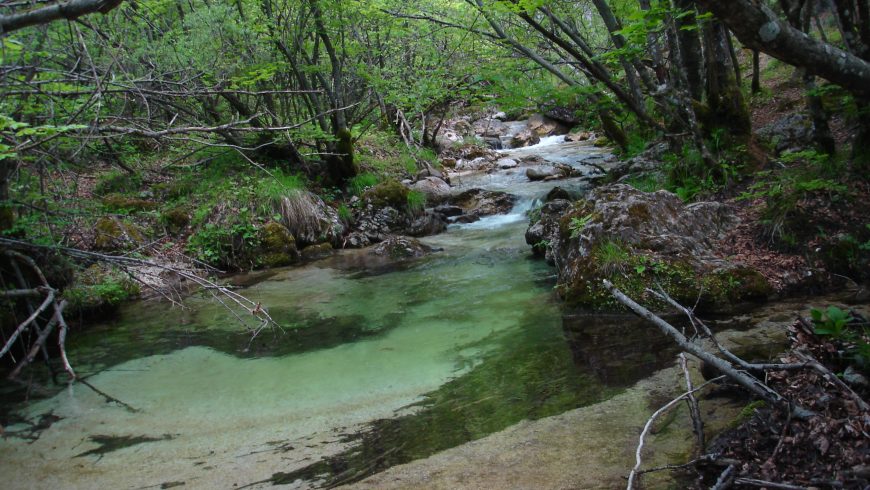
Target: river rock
(435, 189)
(506, 163)
(581, 136)
(477, 203)
(309, 219)
(563, 115)
(319, 251)
(525, 138)
(492, 128)
(544, 126)
(637, 239)
(428, 223)
(543, 172)
(277, 245)
(448, 210)
(557, 193)
(401, 247)
(791, 133)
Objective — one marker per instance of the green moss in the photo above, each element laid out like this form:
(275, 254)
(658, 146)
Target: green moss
(390, 193)
(278, 247)
(114, 234)
(99, 288)
(318, 251)
(117, 182)
(175, 220)
(119, 203)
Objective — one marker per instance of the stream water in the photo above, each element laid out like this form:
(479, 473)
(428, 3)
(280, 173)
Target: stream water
(377, 366)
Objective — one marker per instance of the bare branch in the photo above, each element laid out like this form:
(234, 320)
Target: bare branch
(69, 10)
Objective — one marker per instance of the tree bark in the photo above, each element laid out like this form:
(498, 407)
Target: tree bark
(727, 109)
(69, 10)
(757, 27)
(690, 47)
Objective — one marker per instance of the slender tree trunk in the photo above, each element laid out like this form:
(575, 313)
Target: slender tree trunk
(727, 109)
(821, 130)
(690, 47)
(756, 72)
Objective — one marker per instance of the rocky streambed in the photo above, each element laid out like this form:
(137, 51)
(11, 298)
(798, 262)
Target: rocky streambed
(443, 361)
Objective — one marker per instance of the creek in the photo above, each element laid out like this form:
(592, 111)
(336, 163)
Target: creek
(378, 365)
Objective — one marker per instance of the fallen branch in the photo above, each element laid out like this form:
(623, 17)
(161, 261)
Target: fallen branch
(752, 384)
(694, 409)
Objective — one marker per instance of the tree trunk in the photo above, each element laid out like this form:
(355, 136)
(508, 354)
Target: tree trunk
(756, 72)
(690, 47)
(757, 27)
(726, 107)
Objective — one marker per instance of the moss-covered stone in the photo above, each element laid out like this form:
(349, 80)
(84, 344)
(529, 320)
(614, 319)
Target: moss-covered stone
(389, 193)
(601, 142)
(318, 251)
(99, 289)
(111, 233)
(278, 247)
(175, 220)
(117, 202)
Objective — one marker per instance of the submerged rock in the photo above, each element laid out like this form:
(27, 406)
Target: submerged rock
(401, 247)
(638, 240)
(318, 251)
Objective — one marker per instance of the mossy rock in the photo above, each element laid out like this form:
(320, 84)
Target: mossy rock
(175, 220)
(114, 234)
(278, 247)
(601, 142)
(389, 193)
(117, 202)
(319, 251)
(99, 288)
(634, 272)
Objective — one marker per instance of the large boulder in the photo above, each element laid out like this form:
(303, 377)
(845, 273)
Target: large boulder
(544, 172)
(492, 128)
(638, 240)
(434, 188)
(790, 133)
(524, 138)
(477, 203)
(277, 245)
(309, 219)
(114, 234)
(542, 125)
(563, 115)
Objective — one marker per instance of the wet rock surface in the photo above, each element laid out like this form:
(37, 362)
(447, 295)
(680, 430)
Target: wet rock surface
(639, 239)
(401, 247)
(477, 203)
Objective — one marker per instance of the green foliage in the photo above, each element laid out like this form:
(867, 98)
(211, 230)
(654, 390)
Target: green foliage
(99, 288)
(117, 182)
(810, 173)
(831, 321)
(839, 325)
(648, 182)
(361, 182)
(222, 245)
(577, 224)
(416, 202)
(344, 213)
(688, 175)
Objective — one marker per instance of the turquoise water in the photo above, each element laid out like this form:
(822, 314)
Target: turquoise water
(377, 364)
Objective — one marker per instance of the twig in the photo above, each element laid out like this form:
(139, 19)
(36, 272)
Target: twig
(648, 426)
(694, 409)
(725, 479)
(768, 484)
